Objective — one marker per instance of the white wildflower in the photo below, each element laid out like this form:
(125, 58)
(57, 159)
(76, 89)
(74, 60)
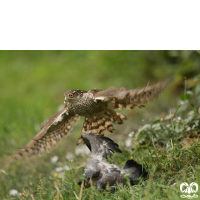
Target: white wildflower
(168, 145)
(178, 118)
(128, 142)
(188, 128)
(189, 92)
(174, 184)
(66, 168)
(131, 134)
(180, 102)
(59, 169)
(13, 193)
(82, 150)
(69, 156)
(54, 159)
(60, 175)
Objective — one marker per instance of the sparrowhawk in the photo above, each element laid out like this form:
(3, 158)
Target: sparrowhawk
(99, 109)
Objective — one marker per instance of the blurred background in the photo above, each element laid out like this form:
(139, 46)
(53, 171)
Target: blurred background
(32, 84)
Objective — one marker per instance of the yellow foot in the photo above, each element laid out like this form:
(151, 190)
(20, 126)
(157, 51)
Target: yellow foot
(88, 128)
(102, 133)
(82, 133)
(117, 119)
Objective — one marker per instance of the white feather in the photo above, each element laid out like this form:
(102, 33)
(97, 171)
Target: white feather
(102, 98)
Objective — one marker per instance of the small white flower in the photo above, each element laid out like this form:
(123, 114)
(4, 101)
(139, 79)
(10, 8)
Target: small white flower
(66, 168)
(13, 193)
(54, 159)
(59, 169)
(128, 142)
(188, 128)
(180, 102)
(179, 118)
(81, 150)
(174, 184)
(168, 145)
(189, 92)
(142, 120)
(69, 156)
(131, 134)
(60, 175)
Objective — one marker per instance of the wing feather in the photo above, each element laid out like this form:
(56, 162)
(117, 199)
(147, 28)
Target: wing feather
(52, 130)
(125, 98)
(98, 142)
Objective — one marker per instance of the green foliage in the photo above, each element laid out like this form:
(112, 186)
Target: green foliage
(160, 131)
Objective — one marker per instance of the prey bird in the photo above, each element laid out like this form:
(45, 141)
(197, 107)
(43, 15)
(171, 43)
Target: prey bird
(100, 172)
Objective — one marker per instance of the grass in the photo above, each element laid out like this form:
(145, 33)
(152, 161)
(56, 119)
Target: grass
(169, 163)
(32, 84)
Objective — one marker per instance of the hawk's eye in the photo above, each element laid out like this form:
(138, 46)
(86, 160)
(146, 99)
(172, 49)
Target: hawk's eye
(71, 95)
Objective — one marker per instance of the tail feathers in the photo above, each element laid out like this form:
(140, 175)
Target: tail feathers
(131, 163)
(135, 170)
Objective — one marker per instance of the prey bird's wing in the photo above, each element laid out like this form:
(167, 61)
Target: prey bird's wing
(100, 145)
(52, 130)
(125, 98)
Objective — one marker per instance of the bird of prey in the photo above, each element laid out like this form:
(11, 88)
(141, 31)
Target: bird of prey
(100, 171)
(99, 109)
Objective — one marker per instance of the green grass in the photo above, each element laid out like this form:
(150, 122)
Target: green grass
(32, 87)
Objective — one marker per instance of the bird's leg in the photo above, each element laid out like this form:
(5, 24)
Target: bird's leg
(80, 140)
(88, 128)
(115, 117)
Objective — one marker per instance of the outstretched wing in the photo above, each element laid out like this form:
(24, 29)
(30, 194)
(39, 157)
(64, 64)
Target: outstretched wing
(125, 98)
(52, 130)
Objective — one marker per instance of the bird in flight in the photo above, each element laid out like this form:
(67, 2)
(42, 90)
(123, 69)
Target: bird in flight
(99, 109)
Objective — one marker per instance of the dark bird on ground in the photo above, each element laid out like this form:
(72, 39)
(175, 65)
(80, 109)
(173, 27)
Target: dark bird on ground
(100, 171)
(99, 109)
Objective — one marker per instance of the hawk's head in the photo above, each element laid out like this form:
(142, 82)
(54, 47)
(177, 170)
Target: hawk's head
(73, 95)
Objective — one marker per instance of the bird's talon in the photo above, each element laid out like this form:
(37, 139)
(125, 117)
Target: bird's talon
(81, 133)
(102, 133)
(117, 119)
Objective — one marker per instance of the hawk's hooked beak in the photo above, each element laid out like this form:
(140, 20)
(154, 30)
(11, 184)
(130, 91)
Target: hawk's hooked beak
(65, 101)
